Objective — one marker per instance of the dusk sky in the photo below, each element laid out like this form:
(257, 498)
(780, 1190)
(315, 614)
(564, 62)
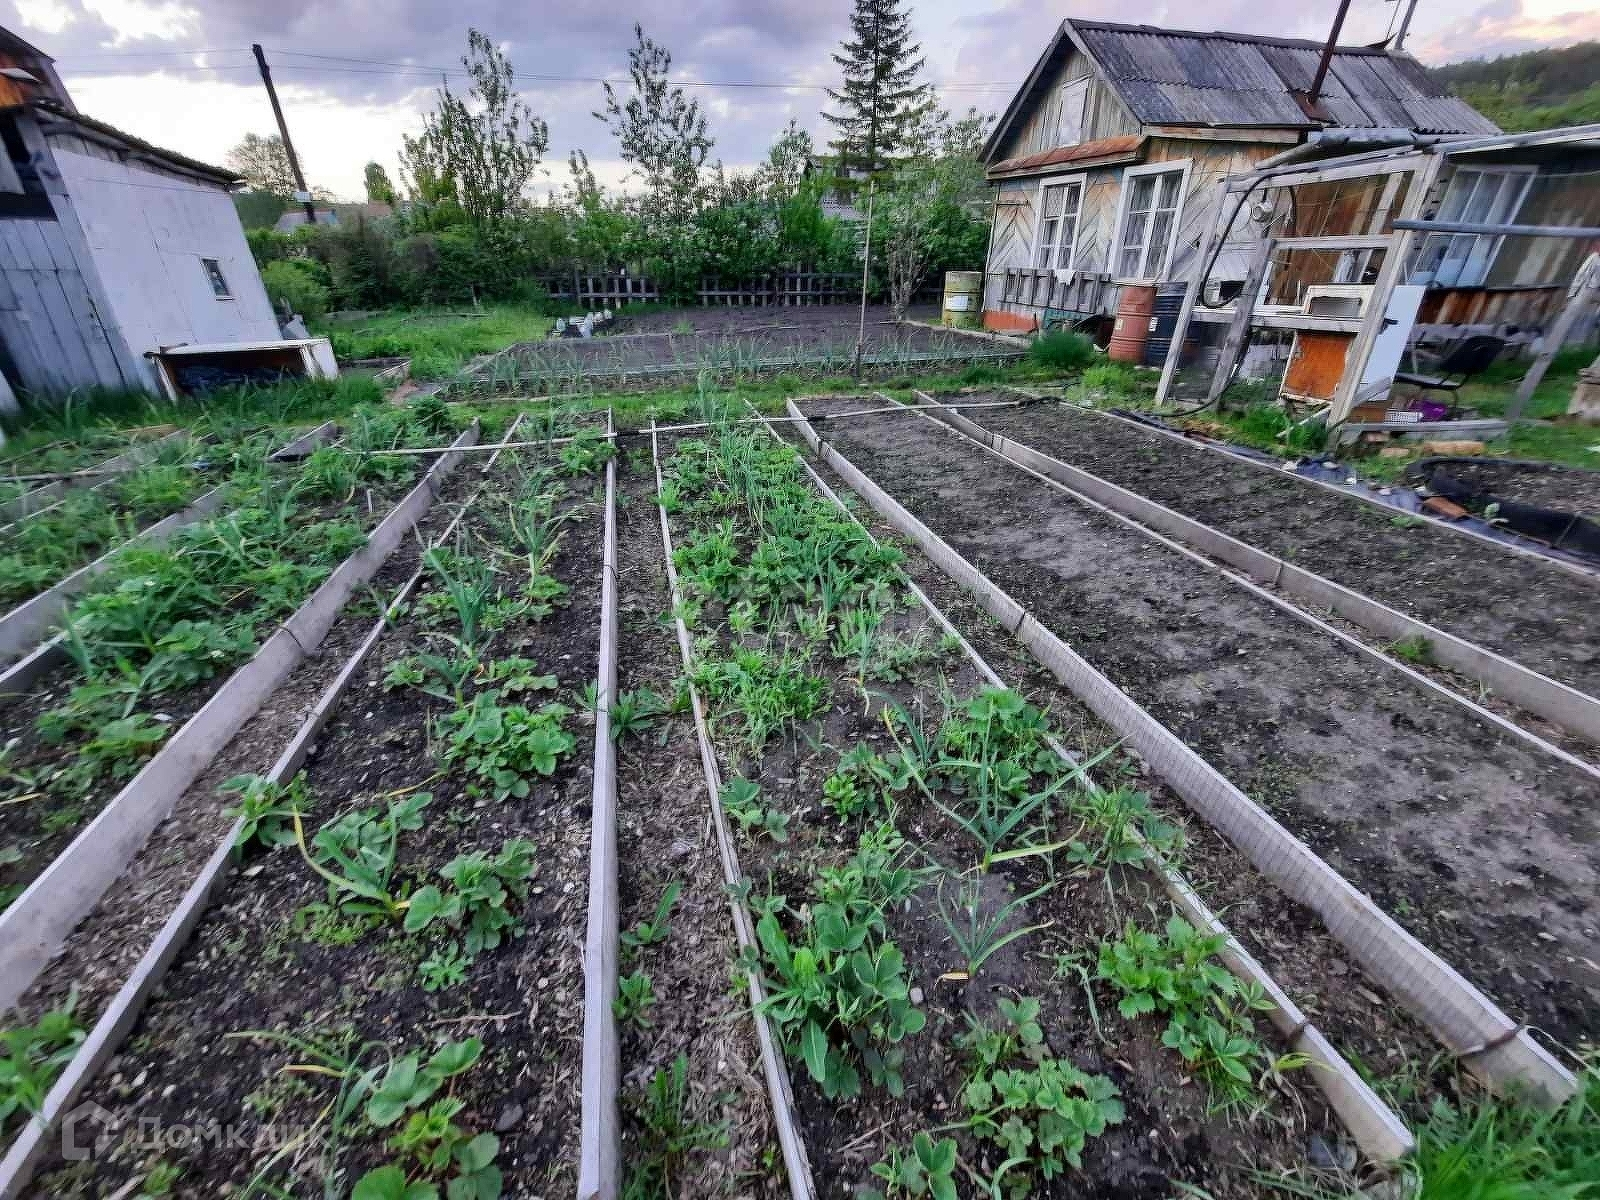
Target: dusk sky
(355, 76)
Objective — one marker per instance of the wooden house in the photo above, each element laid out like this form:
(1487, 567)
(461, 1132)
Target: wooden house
(1110, 162)
(111, 249)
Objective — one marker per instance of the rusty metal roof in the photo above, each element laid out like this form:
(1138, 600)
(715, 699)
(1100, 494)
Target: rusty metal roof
(1126, 148)
(1176, 77)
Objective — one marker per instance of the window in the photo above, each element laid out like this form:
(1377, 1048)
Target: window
(1069, 124)
(1056, 239)
(1482, 195)
(1147, 226)
(218, 281)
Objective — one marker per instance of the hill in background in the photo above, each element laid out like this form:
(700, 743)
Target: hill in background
(1541, 89)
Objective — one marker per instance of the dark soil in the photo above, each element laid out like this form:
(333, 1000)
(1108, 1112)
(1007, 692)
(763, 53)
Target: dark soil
(41, 828)
(250, 967)
(664, 836)
(1289, 939)
(681, 343)
(745, 318)
(1169, 1134)
(1542, 616)
(1404, 793)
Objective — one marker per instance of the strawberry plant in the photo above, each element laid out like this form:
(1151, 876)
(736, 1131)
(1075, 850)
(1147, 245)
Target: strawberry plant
(31, 1056)
(479, 889)
(928, 1168)
(266, 809)
(741, 800)
(1041, 1118)
(502, 745)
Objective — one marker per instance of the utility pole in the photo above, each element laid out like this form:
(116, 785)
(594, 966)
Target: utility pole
(304, 193)
(1327, 56)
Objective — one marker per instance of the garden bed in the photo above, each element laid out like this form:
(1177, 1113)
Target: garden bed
(162, 631)
(1540, 615)
(451, 705)
(829, 720)
(727, 343)
(1375, 775)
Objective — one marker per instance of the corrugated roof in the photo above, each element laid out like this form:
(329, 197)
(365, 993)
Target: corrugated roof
(1106, 150)
(1176, 77)
(220, 174)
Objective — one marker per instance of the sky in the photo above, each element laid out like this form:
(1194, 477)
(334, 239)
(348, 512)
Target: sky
(356, 75)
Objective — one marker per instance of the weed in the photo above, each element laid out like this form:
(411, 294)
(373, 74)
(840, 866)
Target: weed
(1416, 650)
(632, 711)
(266, 809)
(356, 854)
(160, 1179)
(444, 968)
(33, 1055)
(668, 1135)
(635, 997)
(741, 800)
(655, 930)
(1061, 350)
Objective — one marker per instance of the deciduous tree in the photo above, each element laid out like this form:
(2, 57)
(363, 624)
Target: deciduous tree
(379, 189)
(659, 130)
(263, 163)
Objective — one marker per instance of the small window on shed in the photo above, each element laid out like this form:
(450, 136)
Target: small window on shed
(219, 281)
(1069, 123)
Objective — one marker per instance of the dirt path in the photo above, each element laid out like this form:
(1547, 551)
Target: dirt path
(1541, 616)
(1483, 849)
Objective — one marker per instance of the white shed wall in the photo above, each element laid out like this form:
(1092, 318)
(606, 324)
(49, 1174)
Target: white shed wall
(147, 231)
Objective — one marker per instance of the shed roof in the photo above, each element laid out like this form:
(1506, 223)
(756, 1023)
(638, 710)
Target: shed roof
(1182, 78)
(63, 118)
(1127, 147)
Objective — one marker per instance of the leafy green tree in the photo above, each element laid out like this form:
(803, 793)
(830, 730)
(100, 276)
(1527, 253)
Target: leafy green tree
(660, 131)
(480, 150)
(263, 163)
(379, 189)
(882, 101)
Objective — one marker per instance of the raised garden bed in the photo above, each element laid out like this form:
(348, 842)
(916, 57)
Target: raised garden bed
(729, 343)
(1367, 770)
(474, 698)
(843, 721)
(1538, 614)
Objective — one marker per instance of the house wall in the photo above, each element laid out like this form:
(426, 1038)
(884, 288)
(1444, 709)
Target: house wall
(1104, 115)
(1018, 295)
(147, 230)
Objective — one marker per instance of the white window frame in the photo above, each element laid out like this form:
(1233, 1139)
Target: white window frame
(1081, 86)
(207, 265)
(1081, 181)
(1494, 241)
(1129, 176)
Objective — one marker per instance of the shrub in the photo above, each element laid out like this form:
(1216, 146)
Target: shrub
(292, 284)
(1061, 350)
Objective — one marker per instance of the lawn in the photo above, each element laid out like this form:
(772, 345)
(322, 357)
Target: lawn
(439, 342)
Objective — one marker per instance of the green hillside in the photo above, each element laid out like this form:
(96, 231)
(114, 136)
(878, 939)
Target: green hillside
(1540, 89)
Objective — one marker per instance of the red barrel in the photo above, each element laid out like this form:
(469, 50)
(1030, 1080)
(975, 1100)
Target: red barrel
(1132, 326)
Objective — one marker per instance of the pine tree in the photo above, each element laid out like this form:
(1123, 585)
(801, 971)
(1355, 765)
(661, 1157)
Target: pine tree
(882, 102)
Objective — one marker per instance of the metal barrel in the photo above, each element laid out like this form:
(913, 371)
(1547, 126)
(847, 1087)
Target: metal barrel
(1132, 327)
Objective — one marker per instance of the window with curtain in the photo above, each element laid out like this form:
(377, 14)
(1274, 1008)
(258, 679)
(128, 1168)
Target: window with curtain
(1149, 222)
(1480, 195)
(1060, 205)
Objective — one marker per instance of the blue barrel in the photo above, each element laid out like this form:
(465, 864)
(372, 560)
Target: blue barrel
(1163, 321)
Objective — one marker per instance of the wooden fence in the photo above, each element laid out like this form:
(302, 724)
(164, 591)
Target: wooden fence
(784, 289)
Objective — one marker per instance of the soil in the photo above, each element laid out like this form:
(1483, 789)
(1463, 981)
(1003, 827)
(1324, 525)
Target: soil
(746, 318)
(1564, 489)
(43, 827)
(1170, 1133)
(1287, 938)
(1418, 804)
(681, 343)
(663, 833)
(101, 952)
(1540, 615)
(254, 963)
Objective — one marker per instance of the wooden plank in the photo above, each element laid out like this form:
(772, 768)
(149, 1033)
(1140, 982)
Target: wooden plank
(1586, 297)
(1239, 327)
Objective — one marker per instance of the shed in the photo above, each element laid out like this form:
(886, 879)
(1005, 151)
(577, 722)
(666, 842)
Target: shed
(112, 249)
(1110, 162)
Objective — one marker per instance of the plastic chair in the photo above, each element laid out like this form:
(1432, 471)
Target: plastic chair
(1468, 357)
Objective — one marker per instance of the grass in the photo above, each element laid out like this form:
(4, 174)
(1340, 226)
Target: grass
(439, 342)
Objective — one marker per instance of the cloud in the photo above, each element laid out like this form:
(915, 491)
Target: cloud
(121, 60)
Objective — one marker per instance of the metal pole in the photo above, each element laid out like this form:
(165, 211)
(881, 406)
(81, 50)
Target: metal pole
(1327, 53)
(1405, 24)
(283, 132)
(866, 267)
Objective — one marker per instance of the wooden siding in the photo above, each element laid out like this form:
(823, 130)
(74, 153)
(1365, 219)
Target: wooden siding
(48, 322)
(1211, 162)
(1104, 115)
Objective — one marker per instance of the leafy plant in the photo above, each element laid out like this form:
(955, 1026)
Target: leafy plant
(927, 1169)
(635, 997)
(1041, 1117)
(266, 809)
(356, 854)
(668, 1135)
(34, 1055)
(505, 744)
(476, 900)
(444, 968)
(1208, 1008)
(741, 800)
(1416, 650)
(653, 931)
(978, 928)
(632, 711)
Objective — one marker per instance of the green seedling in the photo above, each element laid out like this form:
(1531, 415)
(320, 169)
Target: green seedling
(928, 1168)
(977, 932)
(32, 1056)
(635, 997)
(741, 800)
(266, 809)
(655, 930)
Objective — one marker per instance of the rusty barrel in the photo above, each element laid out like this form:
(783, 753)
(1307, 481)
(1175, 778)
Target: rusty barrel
(1132, 327)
